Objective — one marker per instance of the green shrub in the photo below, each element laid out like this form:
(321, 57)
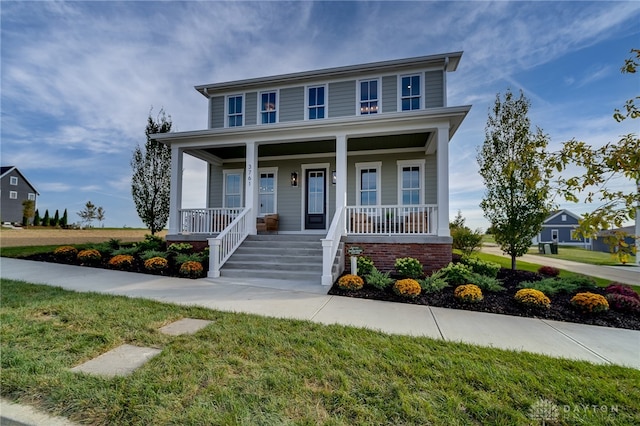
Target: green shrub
(456, 273)
(486, 283)
(590, 302)
(407, 288)
(131, 251)
(350, 282)
(482, 267)
(105, 249)
(409, 267)
(552, 286)
(466, 240)
(532, 298)
(114, 243)
(468, 293)
(190, 257)
(150, 242)
(365, 265)
(377, 279)
(580, 281)
(433, 283)
(148, 254)
(180, 247)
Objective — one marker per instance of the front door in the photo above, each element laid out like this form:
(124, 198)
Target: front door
(315, 208)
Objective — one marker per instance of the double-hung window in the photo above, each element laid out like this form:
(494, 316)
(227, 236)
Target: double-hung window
(368, 183)
(268, 107)
(410, 182)
(13, 180)
(368, 97)
(31, 196)
(410, 91)
(267, 191)
(234, 111)
(232, 191)
(316, 102)
(13, 195)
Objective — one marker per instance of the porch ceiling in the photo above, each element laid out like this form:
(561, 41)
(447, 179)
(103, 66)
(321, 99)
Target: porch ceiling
(413, 140)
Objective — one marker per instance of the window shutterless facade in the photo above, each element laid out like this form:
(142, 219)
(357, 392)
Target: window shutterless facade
(410, 182)
(410, 88)
(368, 98)
(234, 111)
(232, 190)
(13, 180)
(268, 107)
(368, 183)
(13, 195)
(316, 102)
(267, 191)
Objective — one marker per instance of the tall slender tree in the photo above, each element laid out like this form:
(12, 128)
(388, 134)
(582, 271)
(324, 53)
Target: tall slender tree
(513, 165)
(151, 180)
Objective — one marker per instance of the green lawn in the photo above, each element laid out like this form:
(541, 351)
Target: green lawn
(251, 370)
(578, 254)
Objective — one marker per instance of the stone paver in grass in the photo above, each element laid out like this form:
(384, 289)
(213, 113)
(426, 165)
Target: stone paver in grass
(120, 361)
(184, 326)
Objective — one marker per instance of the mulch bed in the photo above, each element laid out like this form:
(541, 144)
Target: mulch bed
(503, 302)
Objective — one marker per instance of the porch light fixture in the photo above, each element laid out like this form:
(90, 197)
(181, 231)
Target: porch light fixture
(294, 179)
(333, 177)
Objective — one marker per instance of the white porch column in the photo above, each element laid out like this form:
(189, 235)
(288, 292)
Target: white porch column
(251, 186)
(341, 172)
(443, 181)
(175, 194)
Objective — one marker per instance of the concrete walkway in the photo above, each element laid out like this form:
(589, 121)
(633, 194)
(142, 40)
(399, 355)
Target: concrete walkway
(600, 345)
(623, 274)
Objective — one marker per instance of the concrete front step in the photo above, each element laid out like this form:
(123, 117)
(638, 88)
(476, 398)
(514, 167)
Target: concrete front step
(266, 265)
(308, 277)
(277, 257)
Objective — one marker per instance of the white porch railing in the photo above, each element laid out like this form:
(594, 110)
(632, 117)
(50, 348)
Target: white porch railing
(330, 246)
(223, 246)
(206, 221)
(392, 220)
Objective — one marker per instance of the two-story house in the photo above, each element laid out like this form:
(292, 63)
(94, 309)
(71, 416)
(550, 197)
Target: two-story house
(14, 189)
(349, 156)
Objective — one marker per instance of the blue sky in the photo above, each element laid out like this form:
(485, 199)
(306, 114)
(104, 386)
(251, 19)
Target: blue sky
(79, 78)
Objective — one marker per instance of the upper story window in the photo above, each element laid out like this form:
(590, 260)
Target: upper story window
(13, 195)
(369, 97)
(268, 107)
(31, 196)
(13, 180)
(316, 102)
(234, 110)
(410, 92)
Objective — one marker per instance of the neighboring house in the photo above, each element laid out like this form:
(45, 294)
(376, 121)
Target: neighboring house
(353, 156)
(559, 227)
(599, 243)
(14, 189)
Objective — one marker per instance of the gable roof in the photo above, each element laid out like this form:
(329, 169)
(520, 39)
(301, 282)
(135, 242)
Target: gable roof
(5, 170)
(557, 213)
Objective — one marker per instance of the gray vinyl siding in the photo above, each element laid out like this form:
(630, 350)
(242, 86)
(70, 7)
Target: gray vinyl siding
(11, 209)
(250, 108)
(292, 104)
(215, 186)
(342, 99)
(389, 94)
(434, 89)
(431, 180)
(216, 120)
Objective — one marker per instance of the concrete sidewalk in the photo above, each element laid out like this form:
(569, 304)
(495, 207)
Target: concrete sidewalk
(600, 345)
(623, 274)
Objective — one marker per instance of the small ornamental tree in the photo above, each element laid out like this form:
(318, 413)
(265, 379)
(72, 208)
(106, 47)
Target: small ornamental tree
(56, 219)
(28, 207)
(88, 214)
(100, 215)
(151, 180)
(46, 219)
(513, 165)
(64, 220)
(36, 218)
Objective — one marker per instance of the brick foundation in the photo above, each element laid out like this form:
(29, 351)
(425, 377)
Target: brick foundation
(384, 255)
(198, 245)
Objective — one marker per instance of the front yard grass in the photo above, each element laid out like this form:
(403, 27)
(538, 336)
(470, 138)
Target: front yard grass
(578, 254)
(246, 369)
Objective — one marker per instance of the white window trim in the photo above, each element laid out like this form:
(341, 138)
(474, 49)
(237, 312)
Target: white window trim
(273, 170)
(326, 101)
(411, 163)
(226, 109)
(225, 173)
(31, 196)
(259, 107)
(359, 90)
(13, 195)
(13, 180)
(421, 94)
(371, 165)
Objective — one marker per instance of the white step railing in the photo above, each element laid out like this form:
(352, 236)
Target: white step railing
(206, 221)
(392, 220)
(222, 246)
(330, 245)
